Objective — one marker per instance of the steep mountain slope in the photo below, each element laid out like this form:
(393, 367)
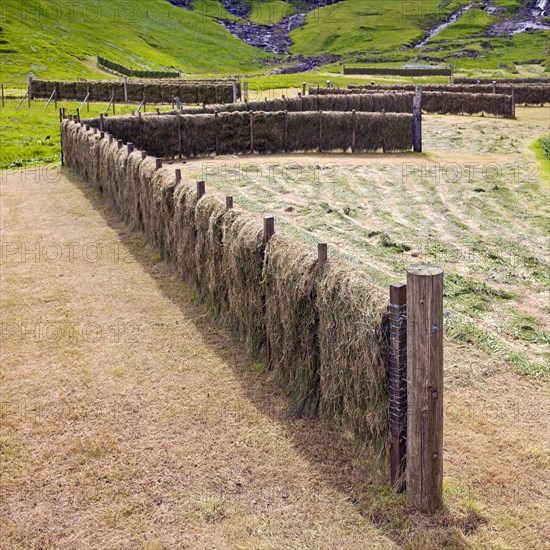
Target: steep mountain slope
(58, 39)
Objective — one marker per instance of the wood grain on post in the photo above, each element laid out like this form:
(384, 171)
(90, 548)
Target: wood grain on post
(229, 202)
(101, 122)
(178, 175)
(130, 147)
(424, 471)
(303, 88)
(120, 143)
(201, 189)
(397, 383)
(143, 155)
(125, 89)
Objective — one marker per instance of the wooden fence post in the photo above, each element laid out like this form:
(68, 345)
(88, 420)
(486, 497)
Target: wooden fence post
(235, 93)
(130, 147)
(417, 120)
(245, 91)
(143, 155)
(513, 103)
(158, 163)
(101, 122)
(120, 143)
(304, 88)
(29, 88)
(178, 175)
(397, 370)
(125, 89)
(229, 202)
(201, 189)
(424, 470)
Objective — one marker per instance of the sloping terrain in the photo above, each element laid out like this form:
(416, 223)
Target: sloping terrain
(60, 40)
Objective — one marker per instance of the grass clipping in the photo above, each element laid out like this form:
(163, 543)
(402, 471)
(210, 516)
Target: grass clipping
(353, 343)
(292, 320)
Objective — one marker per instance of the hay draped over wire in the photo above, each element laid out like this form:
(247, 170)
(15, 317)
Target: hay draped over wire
(327, 325)
(272, 132)
(291, 320)
(243, 264)
(353, 343)
(155, 91)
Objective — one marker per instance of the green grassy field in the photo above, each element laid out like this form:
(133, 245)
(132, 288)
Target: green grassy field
(59, 40)
(475, 203)
(31, 136)
(55, 40)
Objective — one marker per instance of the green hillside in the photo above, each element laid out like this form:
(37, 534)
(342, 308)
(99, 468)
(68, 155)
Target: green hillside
(57, 39)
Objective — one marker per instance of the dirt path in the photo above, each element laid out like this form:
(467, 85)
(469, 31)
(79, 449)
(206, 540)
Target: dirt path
(130, 419)
(127, 420)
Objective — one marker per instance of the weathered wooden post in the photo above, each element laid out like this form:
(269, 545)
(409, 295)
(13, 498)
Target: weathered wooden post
(143, 155)
(125, 89)
(417, 120)
(304, 88)
(229, 202)
(178, 175)
(29, 88)
(101, 122)
(424, 470)
(158, 163)
(201, 189)
(235, 93)
(130, 147)
(513, 103)
(494, 86)
(245, 91)
(120, 143)
(397, 370)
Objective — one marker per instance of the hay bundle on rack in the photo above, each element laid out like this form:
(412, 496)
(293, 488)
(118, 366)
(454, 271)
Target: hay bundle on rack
(188, 93)
(303, 131)
(152, 92)
(353, 343)
(398, 132)
(183, 233)
(210, 219)
(198, 135)
(243, 267)
(369, 132)
(269, 132)
(233, 133)
(336, 131)
(159, 135)
(291, 320)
